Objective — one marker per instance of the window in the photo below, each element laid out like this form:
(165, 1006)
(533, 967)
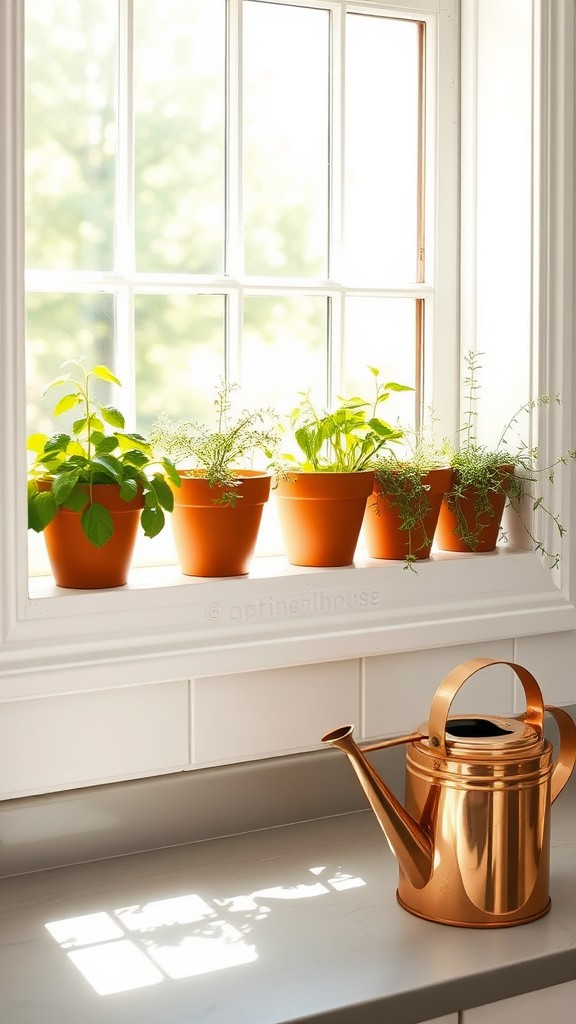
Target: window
(242, 190)
(166, 627)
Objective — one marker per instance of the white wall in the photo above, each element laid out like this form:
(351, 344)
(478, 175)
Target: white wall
(66, 741)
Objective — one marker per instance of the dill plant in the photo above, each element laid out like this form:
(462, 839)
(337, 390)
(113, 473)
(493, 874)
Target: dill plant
(218, 451)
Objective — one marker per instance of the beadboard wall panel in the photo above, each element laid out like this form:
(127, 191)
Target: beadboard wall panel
(399, 687)
(134, 731)
(552, 659)
(258, 714)
(86, 738)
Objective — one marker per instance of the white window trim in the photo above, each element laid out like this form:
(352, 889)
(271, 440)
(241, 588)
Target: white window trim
(282, 615)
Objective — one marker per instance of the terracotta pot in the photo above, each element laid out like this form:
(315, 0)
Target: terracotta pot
(485, 527)
(321, 515)
(79, 565)
(218, 540)
(383, 531)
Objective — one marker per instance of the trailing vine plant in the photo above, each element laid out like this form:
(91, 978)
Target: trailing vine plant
(402, 480)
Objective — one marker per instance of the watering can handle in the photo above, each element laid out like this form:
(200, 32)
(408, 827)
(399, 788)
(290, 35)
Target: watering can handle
(567, 753)
(534, 714)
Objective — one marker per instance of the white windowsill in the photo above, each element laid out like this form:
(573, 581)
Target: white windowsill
(164, 626)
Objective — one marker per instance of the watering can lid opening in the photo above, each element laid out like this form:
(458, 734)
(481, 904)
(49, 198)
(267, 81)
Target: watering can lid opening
(486, 731)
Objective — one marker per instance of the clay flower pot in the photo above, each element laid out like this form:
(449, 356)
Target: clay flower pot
(75, 562)
(385, 537)
(213, 539)
(321, 515)
(482, 525)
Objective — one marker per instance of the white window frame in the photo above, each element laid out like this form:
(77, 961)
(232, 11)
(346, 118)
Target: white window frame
(163, 626)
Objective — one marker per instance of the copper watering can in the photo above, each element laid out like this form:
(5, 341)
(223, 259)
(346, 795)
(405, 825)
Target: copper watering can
(473, 842)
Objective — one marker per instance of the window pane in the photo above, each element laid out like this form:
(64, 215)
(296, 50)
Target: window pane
(179, 97)
(381, 149)
(382, 333)
(71, 54)
(61, 327)
(180, 355)
(284, 349)
(285, 61)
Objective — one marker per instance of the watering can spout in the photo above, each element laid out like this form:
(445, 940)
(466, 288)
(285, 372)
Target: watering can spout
(410, 843)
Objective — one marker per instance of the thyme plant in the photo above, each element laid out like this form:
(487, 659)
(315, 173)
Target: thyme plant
(510, 468)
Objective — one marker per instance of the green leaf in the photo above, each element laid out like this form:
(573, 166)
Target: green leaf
(129, 490)
(36, 442)
(128, 441)
(135, 457)
(162, 492)
(382, 428)
(51, 462)
(66, 403)
(309, 440)
(152, 521)
(77, 499)
(79, 425)
(76, 449)
(97, 524)
(95, 423)
(63, 485)
(112, 416)
(57, 443)
(54, 383)
(104, 373)
(354, 403)
(171, 472)
(41, 510)
(110, 465)
(105, 445)
(392, 386)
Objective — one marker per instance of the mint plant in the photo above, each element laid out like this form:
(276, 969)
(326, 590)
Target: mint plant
(347, 440)
(96, 451)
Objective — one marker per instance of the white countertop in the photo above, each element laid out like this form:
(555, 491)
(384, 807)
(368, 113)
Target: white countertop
(297, 923)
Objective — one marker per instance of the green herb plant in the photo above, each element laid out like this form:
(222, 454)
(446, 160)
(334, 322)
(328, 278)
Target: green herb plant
(484, 469)
(401, 477)
(232, 444)
(347, 440)
(96, 451)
